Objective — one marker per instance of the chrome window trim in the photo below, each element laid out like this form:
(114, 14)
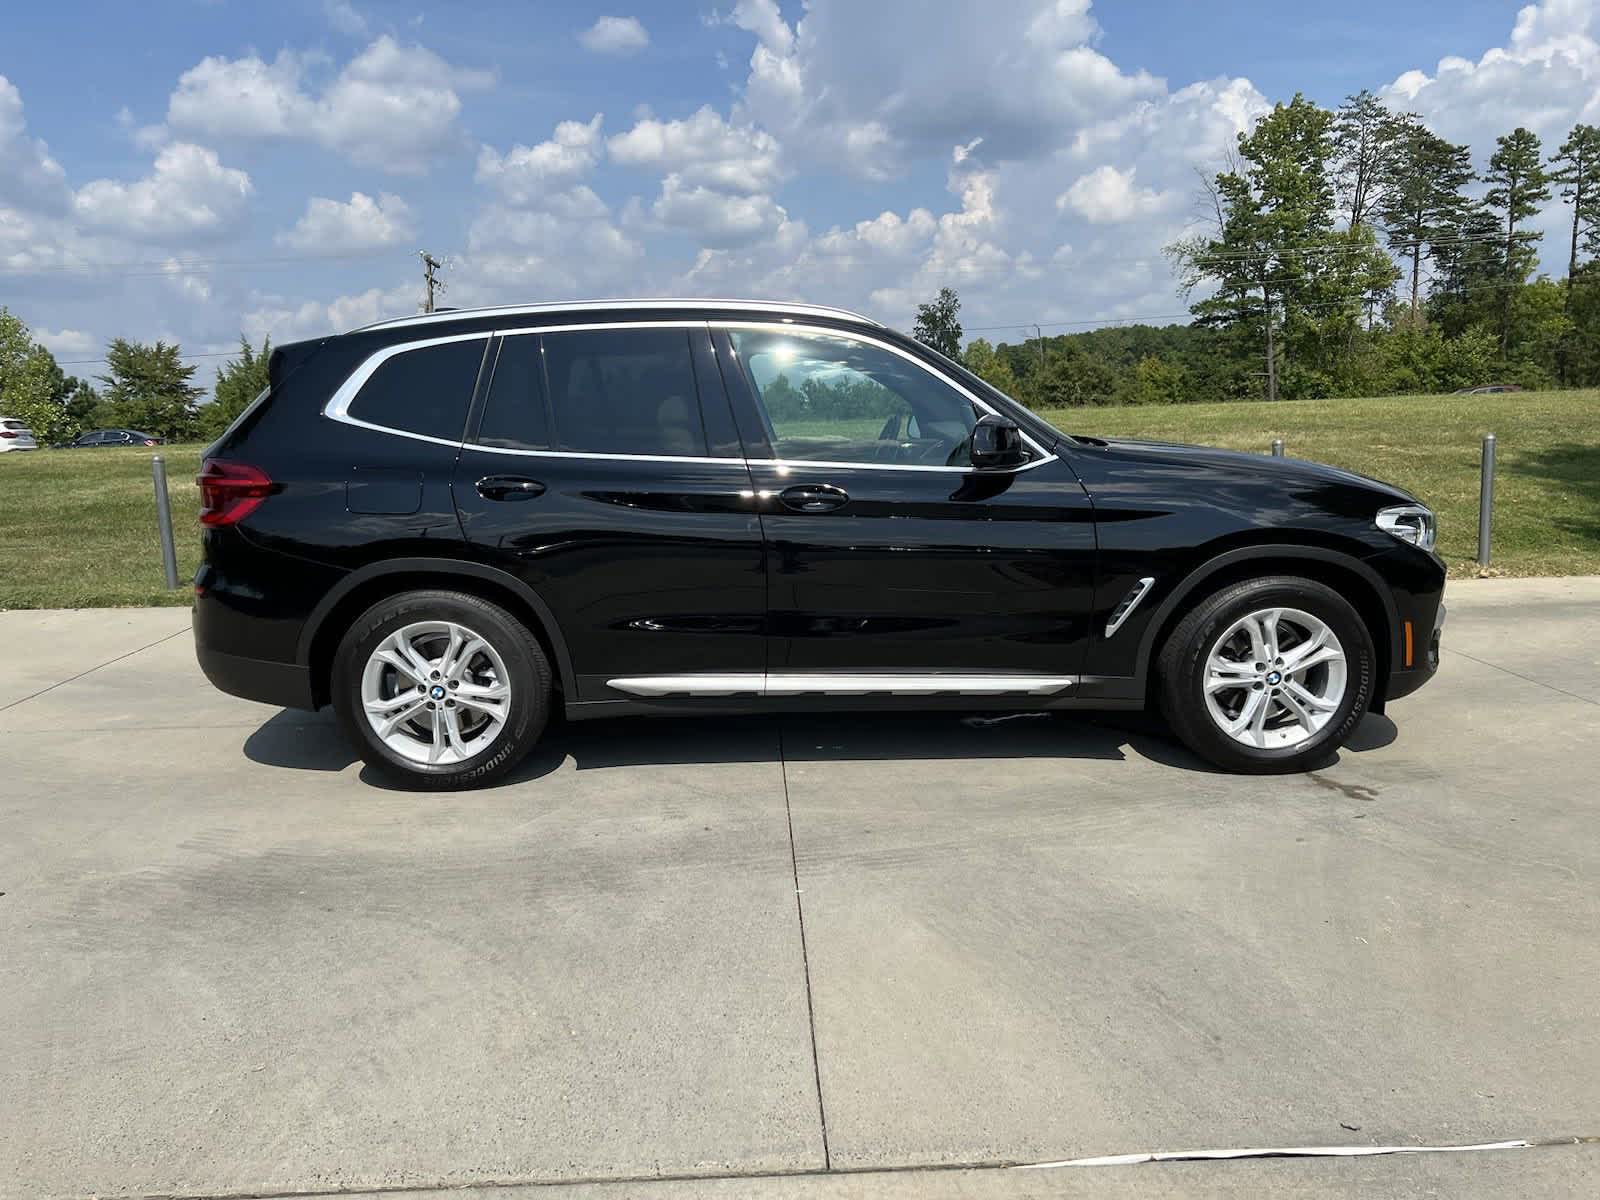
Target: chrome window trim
(693, 303)
(812, 683)
(338, 405)
(1044, 455)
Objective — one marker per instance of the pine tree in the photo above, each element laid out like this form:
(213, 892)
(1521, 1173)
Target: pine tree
(1364, 134)
(1424, 203)
(148, 388)
(1576, 167)
(1517, 185)
(238, 383)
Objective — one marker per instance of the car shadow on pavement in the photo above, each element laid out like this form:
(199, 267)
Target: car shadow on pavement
(305, 741)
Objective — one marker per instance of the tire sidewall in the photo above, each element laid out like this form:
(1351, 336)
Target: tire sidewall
(1186, 683)
(527, 674)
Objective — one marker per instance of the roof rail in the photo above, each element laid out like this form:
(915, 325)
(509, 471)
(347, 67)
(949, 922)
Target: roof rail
(458, 314)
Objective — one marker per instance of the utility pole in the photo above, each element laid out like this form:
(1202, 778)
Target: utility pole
(430, 264)
(1039, 333)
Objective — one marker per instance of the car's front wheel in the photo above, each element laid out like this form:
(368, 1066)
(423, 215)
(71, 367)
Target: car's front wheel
(441, 689)
(1267, 676)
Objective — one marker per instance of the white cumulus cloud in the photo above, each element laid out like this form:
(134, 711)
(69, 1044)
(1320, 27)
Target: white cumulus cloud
(524, 173)
(615, 35)
(1106, 195)
(704, 148)
(188, 192)
(362, 223)
(392, 107)
(27, 172)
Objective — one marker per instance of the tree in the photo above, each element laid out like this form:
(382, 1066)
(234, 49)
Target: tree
(1575, 166)
(1156, 381)
(1073, 379)
(238, 384)
(937, 324)
(1275, 251)
(1363, 143)
(33, 387)
(1423, 204)
(148, 388)
(1517, 185)
(982, 360)
(1469, 272)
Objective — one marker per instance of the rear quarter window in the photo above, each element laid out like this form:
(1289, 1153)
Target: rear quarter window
(425, 391)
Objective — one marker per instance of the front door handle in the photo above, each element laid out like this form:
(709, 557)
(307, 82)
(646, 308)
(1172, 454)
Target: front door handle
(814, 497)
(509, 487)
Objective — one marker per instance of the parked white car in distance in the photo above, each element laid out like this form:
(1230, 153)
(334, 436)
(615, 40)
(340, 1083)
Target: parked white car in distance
(14, 435)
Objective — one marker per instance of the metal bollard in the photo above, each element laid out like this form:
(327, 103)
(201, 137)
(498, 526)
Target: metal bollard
(1486, 500)
(169, 552)
(1277, 447)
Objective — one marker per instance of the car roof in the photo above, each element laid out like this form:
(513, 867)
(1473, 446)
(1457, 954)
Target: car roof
(620, 307)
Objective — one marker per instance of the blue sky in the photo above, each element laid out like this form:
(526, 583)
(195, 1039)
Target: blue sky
(195, 169)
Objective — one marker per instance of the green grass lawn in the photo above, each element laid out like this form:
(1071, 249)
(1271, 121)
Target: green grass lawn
(1547, 481)
(78, 527)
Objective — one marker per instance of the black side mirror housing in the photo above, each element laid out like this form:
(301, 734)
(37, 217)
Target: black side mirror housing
(997, 444)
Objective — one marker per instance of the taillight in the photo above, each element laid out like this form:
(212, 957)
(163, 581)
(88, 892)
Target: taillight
(229, 492)
(8, 433)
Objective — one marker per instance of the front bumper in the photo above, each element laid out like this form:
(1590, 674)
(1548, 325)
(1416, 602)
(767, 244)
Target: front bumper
(1404, 680)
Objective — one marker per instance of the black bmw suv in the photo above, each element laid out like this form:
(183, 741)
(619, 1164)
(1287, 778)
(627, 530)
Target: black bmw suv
(447, 525)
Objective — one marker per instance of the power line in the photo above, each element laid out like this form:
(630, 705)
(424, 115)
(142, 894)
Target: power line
(175, 266)
(1355, 305)
(83, 362)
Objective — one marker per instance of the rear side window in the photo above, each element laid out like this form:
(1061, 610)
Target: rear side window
(424, 391)
(12, 425)
(623, 391)
(517, 416)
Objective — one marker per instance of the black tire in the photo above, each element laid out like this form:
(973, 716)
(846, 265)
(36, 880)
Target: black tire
(1180, 671)
(527, 669)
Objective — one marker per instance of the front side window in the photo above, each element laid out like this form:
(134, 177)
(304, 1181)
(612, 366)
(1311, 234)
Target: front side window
(623, 391)
(426, 390)
(831, 398)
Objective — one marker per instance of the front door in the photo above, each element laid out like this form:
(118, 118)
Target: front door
(893, 566)
(602, 468)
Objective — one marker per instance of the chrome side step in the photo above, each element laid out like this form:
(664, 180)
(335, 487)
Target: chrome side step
(796, 683)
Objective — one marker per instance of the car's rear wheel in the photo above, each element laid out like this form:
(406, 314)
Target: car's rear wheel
(1267, 676)
(440, 689)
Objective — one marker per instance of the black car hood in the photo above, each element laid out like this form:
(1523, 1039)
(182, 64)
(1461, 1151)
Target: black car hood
(1264, 466)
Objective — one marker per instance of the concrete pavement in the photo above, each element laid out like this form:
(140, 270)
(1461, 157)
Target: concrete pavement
(234, 965)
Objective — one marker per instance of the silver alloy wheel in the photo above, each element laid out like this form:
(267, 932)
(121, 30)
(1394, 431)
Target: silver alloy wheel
(436, 692)
(1275, 678)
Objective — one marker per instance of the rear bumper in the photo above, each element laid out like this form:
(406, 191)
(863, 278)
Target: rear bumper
(285, 684)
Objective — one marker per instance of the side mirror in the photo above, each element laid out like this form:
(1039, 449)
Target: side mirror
(997, 443)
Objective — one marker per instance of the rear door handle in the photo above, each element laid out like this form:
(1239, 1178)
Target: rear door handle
(509, 487)
(814, 497)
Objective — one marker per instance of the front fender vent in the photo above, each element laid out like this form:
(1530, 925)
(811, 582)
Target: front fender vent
(1128, 603)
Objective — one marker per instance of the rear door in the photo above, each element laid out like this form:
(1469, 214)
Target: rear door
(893, 565)
(603, 469)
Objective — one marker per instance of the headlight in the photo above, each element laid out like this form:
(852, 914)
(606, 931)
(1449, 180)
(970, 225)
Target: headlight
(1410, 523)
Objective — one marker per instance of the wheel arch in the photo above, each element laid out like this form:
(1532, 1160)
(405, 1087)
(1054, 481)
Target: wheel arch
(1351, 577)
(367, 585)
